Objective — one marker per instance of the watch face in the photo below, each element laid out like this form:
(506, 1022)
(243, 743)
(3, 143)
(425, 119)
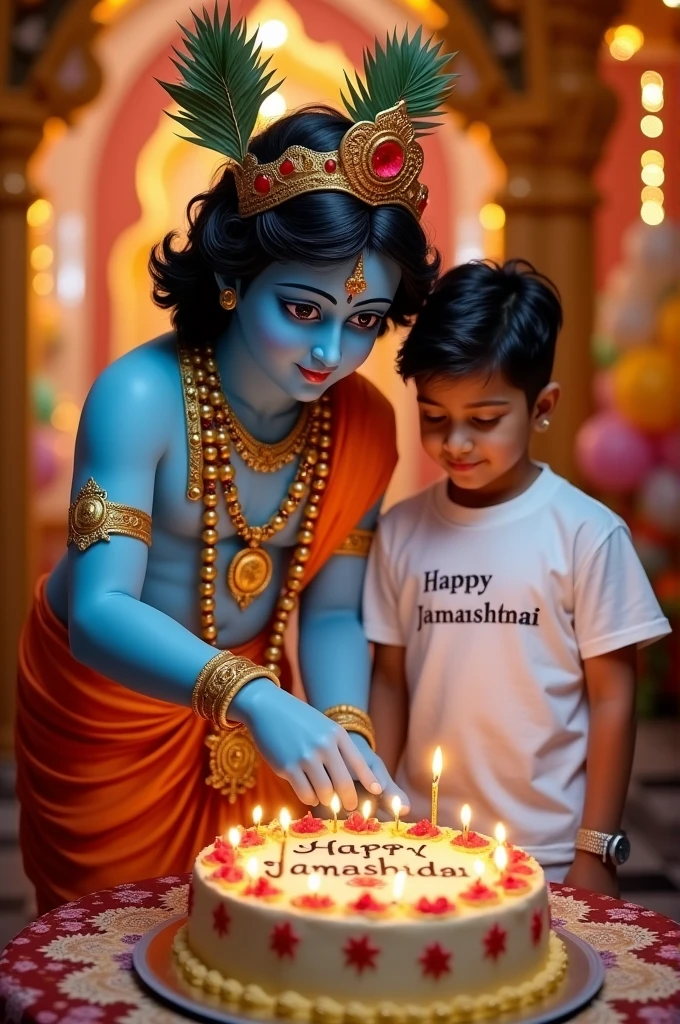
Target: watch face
(620, 849)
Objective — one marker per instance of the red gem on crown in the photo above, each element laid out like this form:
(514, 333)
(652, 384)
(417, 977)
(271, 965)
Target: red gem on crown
(387, 159)
(330, 166)
(262, 184)
(287, 167)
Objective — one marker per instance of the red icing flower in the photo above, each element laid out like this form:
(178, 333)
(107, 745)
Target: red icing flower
(515, 855)
(512, 883)
(478, 892)
(360, 953)
(472, 841)
(357, 823)
(424, 829)
(261, 887)
(435, 961)
(536, 927)
(221, 920)
(283, 940)
(308, 825)
(368, 904)
(251, 837)
(494, 942)
(228, 873)
(366, 882)
(190, 897)
(313, 901)
(222, 854)
(522, 868)
(439, 906)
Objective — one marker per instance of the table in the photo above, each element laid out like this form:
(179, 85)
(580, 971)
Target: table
(74, 965)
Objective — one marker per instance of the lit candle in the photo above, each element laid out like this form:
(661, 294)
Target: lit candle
(479, 869)
(366, 810)
(253, 868)
(257, 817)
(500, 856)
(466, 817)
(335, 807)
(436, 775)
(500, 834)
(314, 882)
(234, 839)
(396, 811)
(284, 819)
(398, 886)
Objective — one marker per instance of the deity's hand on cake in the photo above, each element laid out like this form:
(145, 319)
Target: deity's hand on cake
(306, 748)
(389, 787)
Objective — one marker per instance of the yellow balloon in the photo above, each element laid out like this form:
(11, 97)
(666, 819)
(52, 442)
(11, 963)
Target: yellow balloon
(647, 388)
(668, 326)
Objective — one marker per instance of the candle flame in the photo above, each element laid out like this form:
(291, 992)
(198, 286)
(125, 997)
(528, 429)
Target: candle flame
(396, 806)
(252, 867)
(314, 882)
(366, 809)
(398, 885)
(285, 819)
(479, 868)
(500, 833)
(500, 856)
(335, 803)
(466, 815)
(437, 764)
(234, 837)
(257, 815)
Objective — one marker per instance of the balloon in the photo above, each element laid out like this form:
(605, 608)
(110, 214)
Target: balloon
(669, 450)
(647, 388)
(612, 455)
(45, 461)
(668, 326)
(603, 389)
(660, 499)
(43, 399)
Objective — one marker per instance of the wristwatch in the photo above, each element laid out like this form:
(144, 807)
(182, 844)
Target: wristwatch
(614, 848)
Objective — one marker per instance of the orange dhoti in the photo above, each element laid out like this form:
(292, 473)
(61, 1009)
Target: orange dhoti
(112, 783)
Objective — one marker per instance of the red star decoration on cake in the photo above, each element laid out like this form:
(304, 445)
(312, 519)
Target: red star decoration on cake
(190, 898)
(360, 953)
(536, 927)
(221, 920)
(494, 940)
(435, 961)
(283, 940)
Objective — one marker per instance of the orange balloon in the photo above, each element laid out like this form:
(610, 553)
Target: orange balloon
(647, 388)
(668, 326)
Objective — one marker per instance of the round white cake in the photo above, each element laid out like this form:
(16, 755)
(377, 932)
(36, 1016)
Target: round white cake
(368, 922)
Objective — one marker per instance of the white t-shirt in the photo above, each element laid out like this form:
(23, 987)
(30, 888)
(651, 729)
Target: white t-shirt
(497, 608)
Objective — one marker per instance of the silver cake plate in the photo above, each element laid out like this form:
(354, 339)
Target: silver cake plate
(155, 965)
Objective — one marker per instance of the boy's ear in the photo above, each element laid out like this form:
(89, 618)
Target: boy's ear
(544, 407)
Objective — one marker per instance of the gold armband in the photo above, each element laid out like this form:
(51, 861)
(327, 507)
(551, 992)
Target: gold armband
(358, 542)
(93, 517)
(219, 681)
(353, 719)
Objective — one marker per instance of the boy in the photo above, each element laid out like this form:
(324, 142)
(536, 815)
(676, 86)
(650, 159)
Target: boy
(506, 605)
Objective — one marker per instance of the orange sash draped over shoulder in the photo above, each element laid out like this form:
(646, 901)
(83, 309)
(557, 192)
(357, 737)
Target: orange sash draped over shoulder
(111, 782)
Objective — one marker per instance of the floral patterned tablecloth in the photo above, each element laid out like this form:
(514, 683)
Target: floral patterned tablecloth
(74, 965)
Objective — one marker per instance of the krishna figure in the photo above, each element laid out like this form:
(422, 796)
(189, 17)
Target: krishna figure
(226, 475)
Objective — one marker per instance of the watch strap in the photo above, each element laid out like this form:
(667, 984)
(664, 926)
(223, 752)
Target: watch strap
(590, 841)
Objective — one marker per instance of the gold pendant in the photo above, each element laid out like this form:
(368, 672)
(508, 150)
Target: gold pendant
(249, 573)
(233, 762)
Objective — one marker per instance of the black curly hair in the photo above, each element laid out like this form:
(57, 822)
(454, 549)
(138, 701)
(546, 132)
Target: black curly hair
(318, 227)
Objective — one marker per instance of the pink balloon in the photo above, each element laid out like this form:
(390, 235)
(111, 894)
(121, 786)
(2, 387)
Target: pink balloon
(603, 389)
(611, 454)
(45, 461)
(669, 450)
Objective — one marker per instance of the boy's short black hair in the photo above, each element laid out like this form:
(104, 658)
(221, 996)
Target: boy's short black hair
(484, 317)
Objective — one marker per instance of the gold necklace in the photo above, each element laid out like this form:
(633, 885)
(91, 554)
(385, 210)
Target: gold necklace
(263, 457)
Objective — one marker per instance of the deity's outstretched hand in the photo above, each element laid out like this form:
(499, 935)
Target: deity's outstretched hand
(389, 787)
(314, 754)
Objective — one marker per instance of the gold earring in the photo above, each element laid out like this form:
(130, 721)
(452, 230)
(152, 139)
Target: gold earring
(228, 299)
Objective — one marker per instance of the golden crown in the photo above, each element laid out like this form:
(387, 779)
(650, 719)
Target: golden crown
(224, 84)
(378, 162)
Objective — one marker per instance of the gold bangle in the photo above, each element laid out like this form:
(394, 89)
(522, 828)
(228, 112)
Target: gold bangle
(92, 517)
(358, 543)
(353, 719)
(219, 681)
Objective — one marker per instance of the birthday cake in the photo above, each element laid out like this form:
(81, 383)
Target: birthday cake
(358, 921)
